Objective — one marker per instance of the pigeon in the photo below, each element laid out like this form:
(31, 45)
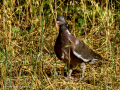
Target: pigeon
(71, 50)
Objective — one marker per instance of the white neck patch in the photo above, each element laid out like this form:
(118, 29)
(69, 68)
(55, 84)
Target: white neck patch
(68, 31)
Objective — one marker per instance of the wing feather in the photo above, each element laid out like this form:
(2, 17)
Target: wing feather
(82, 51)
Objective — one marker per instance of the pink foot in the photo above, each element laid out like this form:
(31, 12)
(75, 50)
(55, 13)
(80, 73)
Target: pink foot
(70, 78)
(76, 79)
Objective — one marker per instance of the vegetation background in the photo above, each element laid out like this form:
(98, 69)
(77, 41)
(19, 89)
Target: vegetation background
(27, 36)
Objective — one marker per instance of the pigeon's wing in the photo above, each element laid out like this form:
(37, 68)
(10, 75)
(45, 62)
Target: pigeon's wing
(83, 52)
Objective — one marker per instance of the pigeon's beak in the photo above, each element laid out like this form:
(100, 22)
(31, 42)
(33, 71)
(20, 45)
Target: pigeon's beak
(58, 22)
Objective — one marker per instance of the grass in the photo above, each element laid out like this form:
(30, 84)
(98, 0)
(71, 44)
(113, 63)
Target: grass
(27, 37)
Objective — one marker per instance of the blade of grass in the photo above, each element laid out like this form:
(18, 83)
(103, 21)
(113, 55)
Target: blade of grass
(116, 34)
(41, 54)
(6, 55)
(10, 75)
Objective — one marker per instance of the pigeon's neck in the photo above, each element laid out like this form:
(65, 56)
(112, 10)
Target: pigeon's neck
(63, 28)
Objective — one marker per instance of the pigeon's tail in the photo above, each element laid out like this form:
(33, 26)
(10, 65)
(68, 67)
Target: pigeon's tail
(100, 61)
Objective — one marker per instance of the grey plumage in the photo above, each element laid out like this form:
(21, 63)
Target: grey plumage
(79, 51)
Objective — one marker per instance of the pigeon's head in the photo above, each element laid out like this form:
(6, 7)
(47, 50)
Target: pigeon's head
(60, 20)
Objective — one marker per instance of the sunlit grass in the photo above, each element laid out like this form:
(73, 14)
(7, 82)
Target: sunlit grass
(28, 33)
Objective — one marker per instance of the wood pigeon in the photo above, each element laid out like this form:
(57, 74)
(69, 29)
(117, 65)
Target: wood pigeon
(68, 48)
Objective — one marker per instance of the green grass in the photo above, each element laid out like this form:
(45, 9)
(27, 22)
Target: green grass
(27, 36)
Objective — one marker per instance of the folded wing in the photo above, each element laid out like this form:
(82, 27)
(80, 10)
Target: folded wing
(82, 51)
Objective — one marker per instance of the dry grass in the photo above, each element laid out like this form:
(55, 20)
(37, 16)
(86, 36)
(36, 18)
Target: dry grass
(28, 33)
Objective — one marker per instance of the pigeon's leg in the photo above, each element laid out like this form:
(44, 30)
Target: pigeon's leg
(69, 75)
(70, 72)
(83, 67)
